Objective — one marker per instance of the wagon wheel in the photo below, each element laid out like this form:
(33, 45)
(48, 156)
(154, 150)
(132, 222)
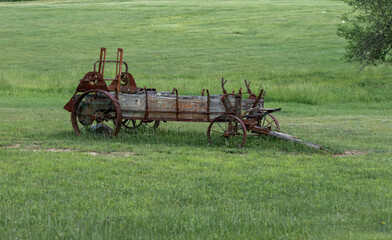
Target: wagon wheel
(134, 124)
(96, 111)
(227, 129)
(268, 120)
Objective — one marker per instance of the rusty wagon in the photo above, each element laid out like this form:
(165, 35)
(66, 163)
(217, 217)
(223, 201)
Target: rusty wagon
(105, 105)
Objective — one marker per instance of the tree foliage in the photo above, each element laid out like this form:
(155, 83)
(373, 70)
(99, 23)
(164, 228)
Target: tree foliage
(368, 30)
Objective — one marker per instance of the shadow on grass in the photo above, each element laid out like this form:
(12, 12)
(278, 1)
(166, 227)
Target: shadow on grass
(147, 138)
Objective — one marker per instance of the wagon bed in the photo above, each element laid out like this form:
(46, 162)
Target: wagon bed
(171, 107)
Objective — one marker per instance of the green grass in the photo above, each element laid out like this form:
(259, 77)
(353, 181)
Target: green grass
(169, 183)
(188, 44)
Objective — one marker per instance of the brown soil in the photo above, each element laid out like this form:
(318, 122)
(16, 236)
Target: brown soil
(34, 148)
(351, 153)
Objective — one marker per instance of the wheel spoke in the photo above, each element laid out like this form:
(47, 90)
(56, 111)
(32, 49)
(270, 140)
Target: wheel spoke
(93, 104)
(217, 132)
(269, 123)
(134, 124)
(216, 138)
(84, 106)
(107, 110)
(220, 126)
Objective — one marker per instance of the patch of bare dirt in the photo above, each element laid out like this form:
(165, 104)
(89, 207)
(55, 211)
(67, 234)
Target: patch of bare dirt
(36, 148)
(58, 150)
(93, 153)
(47, 150)
(17, 145)
(350, 153)
(113, 154)
(122, 154)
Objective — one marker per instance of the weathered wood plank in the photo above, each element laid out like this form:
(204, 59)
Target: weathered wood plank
(134, 105)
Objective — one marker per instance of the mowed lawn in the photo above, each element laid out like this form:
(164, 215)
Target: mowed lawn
(169, 183)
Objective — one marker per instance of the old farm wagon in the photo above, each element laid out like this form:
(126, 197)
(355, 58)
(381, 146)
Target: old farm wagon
(105, 105)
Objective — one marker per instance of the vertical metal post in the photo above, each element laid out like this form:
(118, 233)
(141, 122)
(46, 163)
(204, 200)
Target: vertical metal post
(238, 109)
(208, 105)
(146, 113)
(102, 58)
(119, 68)
(177, 106)
(104, 61)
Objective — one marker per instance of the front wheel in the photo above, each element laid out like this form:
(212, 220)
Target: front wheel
(96, 111)
(269, 121)
(228, 130)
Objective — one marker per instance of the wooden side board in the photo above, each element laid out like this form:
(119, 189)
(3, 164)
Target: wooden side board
(166, 106)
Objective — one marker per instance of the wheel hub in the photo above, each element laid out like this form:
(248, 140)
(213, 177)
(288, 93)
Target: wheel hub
(226, 134)
(99, 116)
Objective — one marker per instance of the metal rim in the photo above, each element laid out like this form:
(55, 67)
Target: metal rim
(227, 129)
(88, 110)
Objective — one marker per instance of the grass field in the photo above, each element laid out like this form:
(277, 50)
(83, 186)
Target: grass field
(169, 183)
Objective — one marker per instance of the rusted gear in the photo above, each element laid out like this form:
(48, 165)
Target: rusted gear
(91, 81)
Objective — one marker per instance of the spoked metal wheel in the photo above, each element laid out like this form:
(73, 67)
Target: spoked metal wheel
(227, 130)
(134, 124)
(269, 121)
(96, 111)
